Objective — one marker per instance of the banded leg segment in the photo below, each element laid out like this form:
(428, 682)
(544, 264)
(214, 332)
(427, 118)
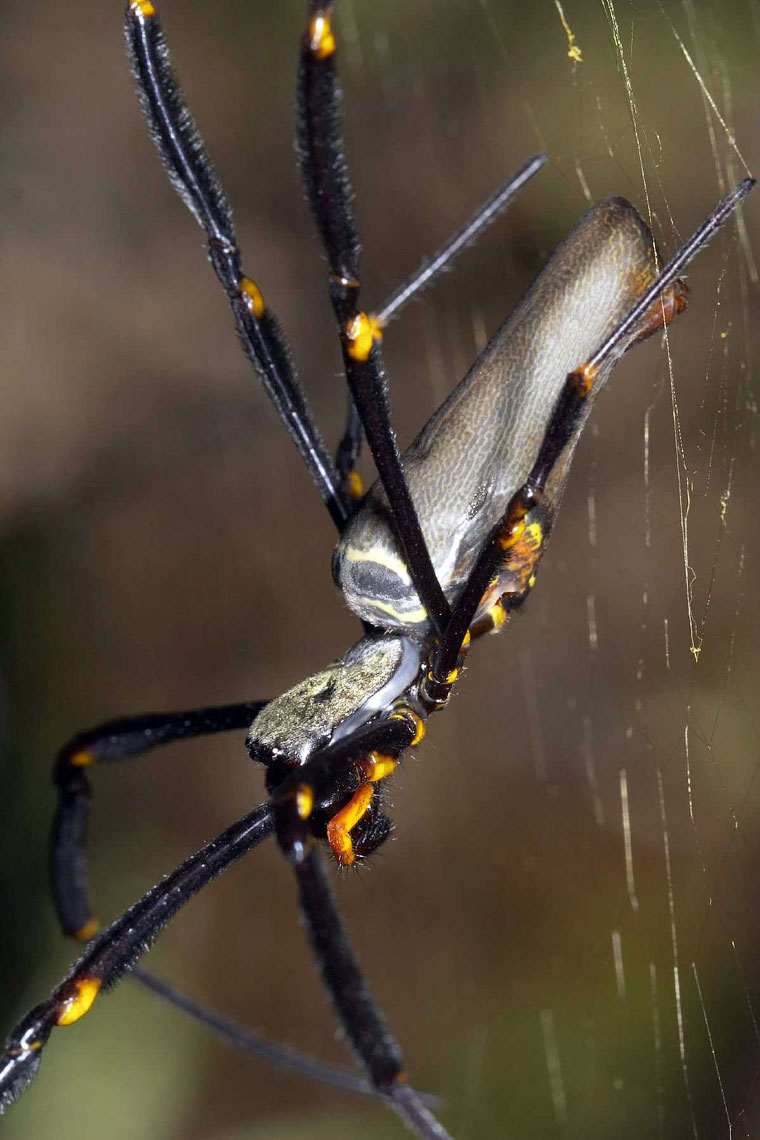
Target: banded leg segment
(352, 764)
(114, 740)
(325, 176)
(116, 950)
(656, 307)
(364, 1023)
(183, 155)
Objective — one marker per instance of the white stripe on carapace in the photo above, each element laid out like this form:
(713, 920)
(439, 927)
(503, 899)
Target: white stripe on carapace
(408, 668)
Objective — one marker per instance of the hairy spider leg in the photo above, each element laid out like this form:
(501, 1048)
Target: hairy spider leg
(294, 805)
(432, 267)
(191, 172)
(192, 175)
(119, 740)
(325, 176)
(116, 949)
(114, 740)
(357, 1009)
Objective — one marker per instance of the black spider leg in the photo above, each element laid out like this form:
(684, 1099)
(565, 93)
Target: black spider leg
(116, 950)
(355, 1003)
(430, 269)
(114, 740)
(190, 171)
(300, 797)
(325, 175)
(119, 740)
(559, 432)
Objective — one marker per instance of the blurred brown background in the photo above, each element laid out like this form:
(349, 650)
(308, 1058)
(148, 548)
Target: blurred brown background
(161, 547)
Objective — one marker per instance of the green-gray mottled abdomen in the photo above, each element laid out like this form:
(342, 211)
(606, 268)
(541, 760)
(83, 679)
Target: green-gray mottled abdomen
(365, 680)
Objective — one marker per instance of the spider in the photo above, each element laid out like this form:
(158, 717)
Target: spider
(329, 781)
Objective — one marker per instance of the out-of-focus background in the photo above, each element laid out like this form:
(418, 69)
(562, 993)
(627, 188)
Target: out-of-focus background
(564, 929)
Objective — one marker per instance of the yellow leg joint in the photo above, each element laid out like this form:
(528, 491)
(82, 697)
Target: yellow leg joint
(498, 616)
(321, 36)
(378, 765)
(253, 297)
(304, 801)
(355, 485)
(512, 533)
(361, 336)
(403, 712)
(581, 381)
(341, 825)
(143, 8)
(88, 931)
(82, 759)
(87, 989)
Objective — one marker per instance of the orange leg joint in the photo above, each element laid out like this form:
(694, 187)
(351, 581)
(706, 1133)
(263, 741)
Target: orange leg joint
(76, 1006)
(378, 765)
(88, 931)
(340, 826)
(663, 310)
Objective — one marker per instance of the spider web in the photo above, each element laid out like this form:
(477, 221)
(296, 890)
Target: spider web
(564, 931)
(664, 1039)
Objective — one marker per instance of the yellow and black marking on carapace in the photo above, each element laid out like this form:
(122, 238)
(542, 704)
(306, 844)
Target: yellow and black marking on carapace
(321, 36)
(252, 296)
(80, 1002)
